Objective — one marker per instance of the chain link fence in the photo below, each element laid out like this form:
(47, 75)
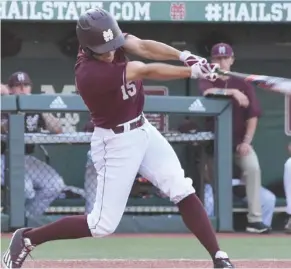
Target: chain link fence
(60, 177)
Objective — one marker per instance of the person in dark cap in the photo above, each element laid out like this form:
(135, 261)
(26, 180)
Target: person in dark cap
(20, 83)
(246, 112)
(42, 182)
(112, 88)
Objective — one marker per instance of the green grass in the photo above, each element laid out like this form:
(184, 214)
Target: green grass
(163, 248)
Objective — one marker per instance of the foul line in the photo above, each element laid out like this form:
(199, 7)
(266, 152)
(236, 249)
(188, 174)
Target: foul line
(155, 260)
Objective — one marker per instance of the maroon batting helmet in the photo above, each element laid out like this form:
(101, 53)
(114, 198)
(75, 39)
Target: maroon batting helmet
(98, 32)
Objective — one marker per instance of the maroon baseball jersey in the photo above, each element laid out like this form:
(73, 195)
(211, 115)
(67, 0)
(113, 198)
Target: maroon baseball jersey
(110, 99)
(240, 114)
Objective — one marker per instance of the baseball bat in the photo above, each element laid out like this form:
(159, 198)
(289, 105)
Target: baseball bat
(275, 84)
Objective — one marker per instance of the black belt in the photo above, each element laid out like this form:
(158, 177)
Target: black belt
(132, 126)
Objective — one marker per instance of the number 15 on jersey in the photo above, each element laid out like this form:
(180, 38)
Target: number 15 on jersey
(128, 90)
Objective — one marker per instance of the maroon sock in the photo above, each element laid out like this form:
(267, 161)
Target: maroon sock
(197, 221)
(72, 227)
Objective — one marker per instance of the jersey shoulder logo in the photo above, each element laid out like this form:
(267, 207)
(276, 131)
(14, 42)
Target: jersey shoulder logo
(32, 122)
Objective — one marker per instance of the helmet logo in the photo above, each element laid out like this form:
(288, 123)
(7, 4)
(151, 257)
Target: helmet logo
(108, 35)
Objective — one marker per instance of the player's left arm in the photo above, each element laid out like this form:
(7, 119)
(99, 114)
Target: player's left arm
(158, 51)
(253, 114)
(52, 123)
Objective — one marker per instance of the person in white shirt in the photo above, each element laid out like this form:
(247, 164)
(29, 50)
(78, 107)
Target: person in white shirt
(267, 198)
(268, 201)
(287, 188)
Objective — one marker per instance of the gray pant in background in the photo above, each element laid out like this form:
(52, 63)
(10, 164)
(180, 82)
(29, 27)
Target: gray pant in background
(251, 176)
(42, 185)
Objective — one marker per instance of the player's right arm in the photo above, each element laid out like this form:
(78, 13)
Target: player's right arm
(136, 70)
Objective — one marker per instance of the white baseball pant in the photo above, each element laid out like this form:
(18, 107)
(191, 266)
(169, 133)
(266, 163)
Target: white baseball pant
(287, 184)
(118, 158)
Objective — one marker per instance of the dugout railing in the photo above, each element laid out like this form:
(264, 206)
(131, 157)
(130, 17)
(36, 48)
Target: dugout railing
(13, 192)
(219, 109)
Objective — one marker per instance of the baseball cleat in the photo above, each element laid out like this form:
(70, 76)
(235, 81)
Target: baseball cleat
(258, 228)
(222, 261)
(19, 248)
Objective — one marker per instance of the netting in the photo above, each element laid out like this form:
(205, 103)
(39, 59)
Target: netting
(60, 177)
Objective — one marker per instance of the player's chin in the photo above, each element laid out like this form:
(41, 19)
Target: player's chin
(108, 60)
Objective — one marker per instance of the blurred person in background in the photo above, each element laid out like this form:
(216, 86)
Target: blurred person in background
(246, 112)
(4, 89)
(42, 183)
(268, 198)
(287, 188)
(4, 130)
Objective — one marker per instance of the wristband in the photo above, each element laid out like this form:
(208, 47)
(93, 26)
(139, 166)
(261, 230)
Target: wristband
(220, 92)
(247, 139)
(184, 55)
(195, 71)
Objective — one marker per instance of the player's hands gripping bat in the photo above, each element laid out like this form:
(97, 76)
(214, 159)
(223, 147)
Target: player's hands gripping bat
(200, 66)
(275, 84)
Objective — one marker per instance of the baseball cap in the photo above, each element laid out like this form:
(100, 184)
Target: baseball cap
(19, 78)
(222, 50)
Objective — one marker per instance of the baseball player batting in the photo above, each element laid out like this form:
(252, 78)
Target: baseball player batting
(124, 143)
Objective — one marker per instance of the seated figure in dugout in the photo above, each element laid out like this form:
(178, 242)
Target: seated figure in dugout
(42, 183)
(268, 199)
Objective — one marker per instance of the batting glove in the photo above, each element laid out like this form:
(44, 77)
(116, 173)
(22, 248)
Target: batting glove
(205, 71)
(190, 59)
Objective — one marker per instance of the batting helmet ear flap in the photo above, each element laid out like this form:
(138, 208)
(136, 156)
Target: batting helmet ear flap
(88, 52)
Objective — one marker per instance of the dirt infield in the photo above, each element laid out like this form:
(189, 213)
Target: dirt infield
(152, 264)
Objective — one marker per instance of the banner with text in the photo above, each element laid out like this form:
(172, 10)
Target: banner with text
(160, 121)
(163, 10)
